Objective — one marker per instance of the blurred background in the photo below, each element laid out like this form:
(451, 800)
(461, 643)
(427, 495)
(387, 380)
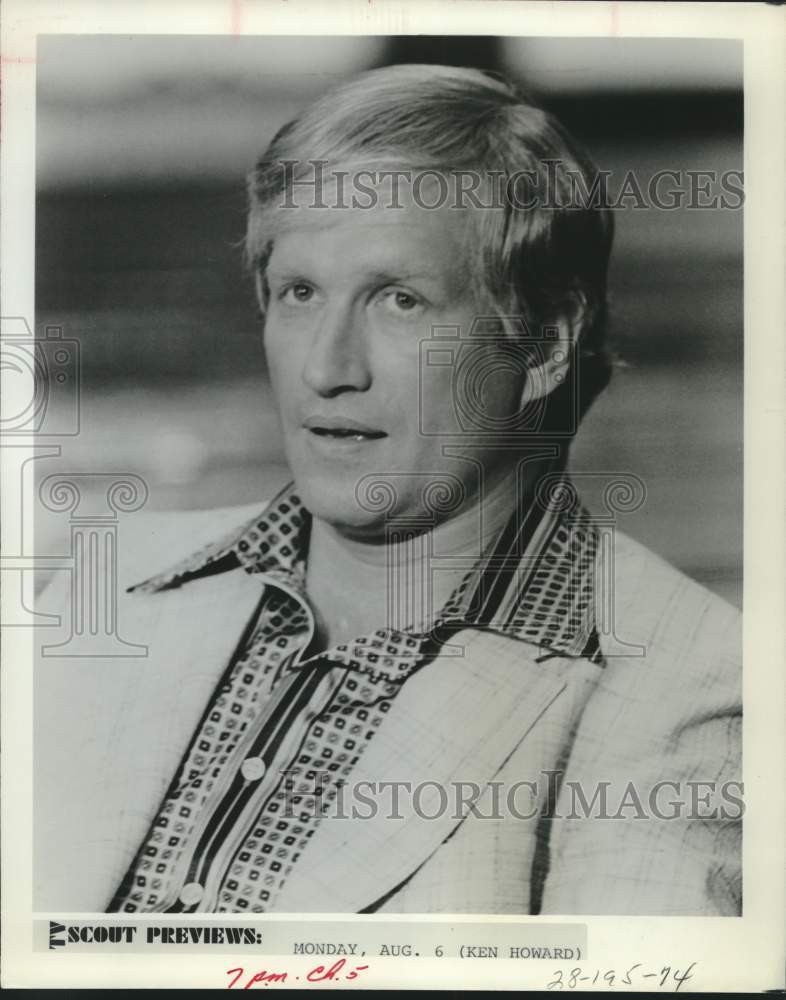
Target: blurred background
(143, 144)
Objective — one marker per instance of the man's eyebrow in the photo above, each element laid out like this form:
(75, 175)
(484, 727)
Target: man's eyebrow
(284, 272)
(392, 275)
(400, 275)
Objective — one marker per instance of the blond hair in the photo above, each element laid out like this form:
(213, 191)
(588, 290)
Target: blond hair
(534, 261)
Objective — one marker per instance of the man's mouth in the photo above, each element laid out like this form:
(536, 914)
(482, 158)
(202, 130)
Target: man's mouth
(351, 435)
(342, 429)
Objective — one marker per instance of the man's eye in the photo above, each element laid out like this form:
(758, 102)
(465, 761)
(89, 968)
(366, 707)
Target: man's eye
(401, 302)
(299, 292)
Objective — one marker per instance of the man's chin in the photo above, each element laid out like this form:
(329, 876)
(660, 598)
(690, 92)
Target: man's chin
(337, 504)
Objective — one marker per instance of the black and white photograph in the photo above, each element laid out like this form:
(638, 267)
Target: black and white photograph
(381, 496)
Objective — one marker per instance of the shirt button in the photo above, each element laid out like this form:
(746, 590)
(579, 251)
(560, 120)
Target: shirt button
(253, 768)
(191, 893)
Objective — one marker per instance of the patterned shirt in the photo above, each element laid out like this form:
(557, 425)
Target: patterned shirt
(283, 726)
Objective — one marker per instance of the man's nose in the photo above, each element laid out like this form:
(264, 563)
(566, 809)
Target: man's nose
(337, 361)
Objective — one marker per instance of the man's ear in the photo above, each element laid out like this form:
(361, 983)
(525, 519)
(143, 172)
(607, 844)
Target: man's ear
(259, 286)
(554, 345)
(261, 292)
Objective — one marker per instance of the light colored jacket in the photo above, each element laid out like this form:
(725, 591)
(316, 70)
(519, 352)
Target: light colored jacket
(110, 733)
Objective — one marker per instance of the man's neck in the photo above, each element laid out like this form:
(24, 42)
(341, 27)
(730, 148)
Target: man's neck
(356, 587)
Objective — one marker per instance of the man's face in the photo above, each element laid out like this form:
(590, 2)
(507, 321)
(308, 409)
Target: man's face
(353, 293)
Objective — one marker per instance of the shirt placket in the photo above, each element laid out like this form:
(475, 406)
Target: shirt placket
(186, 892)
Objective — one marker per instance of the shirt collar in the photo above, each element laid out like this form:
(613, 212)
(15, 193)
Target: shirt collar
(535, 582)
(273, 542)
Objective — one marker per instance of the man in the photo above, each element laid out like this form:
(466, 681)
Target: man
(426, 607)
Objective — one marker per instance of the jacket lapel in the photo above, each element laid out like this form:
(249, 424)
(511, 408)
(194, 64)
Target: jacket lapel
(103, 765)
(456, 720)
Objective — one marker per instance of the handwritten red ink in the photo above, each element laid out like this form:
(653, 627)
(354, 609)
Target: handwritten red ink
(318, 974)
(259, 977)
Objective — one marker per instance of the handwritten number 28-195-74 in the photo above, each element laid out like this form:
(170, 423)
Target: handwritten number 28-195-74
(667, 976)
